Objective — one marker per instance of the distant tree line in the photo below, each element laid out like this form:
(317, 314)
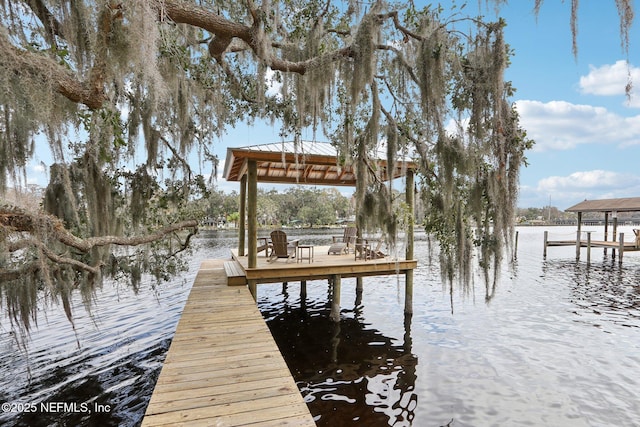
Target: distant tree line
(543, 213)
(306, 207)
(552, 213)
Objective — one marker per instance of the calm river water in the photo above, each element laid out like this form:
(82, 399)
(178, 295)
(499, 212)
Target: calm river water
(554, 343)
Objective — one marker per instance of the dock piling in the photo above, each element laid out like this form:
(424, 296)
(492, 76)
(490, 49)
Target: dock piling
(335, 298)
(621, 248)
(578, 243)
(253, 289)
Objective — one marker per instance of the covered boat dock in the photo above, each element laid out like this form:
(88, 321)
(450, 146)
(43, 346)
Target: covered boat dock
(311, 163)
(610, 208)
(223, 366)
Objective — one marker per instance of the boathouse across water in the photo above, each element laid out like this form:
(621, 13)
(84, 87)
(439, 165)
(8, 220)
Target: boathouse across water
(610, 208)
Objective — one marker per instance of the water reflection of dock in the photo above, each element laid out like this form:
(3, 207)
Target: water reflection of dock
(223, 366)
(346, 370)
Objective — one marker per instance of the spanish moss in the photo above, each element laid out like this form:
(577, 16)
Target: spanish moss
(125, 95)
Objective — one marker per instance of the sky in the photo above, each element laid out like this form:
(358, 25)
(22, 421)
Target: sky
(587, 131)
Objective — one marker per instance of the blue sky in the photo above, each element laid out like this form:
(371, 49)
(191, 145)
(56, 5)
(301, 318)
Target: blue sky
(587, 132)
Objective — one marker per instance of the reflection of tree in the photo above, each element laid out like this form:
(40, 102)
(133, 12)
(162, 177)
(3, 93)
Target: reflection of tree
(347, 372)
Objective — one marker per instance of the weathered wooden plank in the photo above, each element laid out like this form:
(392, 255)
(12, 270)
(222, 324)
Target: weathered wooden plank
(229, 352)
(240, 413)
(223, 366)
(232, 360)
(210, 349)
(235, 374)
(260, 343)
(222, 358)
(235, 370)
(221, 389)
(206, 387)
(235, 273)
(213, 396)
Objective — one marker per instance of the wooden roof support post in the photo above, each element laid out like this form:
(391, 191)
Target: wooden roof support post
(621, 248)
(360, 228)
(243, 215)
(252, 212)
(408, 285)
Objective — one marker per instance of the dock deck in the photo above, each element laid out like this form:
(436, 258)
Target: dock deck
(621, 245)
(223, 367)
(323, 266)
(628, 246)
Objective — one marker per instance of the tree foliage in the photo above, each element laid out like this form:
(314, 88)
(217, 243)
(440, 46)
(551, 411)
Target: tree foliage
(301, 206)
(127, 94)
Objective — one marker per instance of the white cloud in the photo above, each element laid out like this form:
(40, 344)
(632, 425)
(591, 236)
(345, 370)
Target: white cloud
(611, 80)
(274, 85)
(594, 184)
(39, 168)
(606, 80)
(561, 125)
(599, 179)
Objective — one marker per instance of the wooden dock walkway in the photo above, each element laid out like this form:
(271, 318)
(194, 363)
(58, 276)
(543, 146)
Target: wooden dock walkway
(223, 367)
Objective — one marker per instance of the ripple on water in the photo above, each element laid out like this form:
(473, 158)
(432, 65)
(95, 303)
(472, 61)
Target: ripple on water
(552, 342)
(112, 357)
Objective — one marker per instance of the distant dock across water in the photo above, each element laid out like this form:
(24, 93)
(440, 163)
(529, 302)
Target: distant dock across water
(583, 240)
(610, 208)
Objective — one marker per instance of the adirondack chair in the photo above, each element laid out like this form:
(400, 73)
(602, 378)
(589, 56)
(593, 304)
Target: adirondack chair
(342, 245)
(368, 249)
(375, 250)
(281, 247)
(264, 245)
(636, 231)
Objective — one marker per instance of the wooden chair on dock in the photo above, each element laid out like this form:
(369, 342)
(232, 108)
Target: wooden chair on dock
(376, 251)
(264, 244)
(368, 249)
(342, 245)
(281, 247)
(636, 231)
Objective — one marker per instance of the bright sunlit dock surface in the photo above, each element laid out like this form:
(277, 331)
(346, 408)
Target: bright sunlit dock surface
(223, 366)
